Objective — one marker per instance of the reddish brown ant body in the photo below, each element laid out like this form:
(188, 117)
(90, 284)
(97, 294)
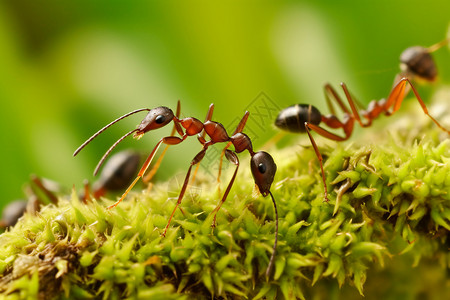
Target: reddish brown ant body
(262, 164)
(415, 62)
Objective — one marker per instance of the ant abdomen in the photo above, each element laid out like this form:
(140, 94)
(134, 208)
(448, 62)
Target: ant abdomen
(293, 118)
(417, 61)
(119, 171)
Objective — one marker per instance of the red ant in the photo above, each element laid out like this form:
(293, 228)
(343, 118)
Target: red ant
(262, 164)
(300, 118)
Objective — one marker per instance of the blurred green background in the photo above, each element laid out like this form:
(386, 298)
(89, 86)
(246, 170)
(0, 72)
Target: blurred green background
(67, 69)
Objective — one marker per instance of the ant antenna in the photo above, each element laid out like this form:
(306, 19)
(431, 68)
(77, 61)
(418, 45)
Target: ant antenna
(106, 127)
(272, 257)
(102, 160)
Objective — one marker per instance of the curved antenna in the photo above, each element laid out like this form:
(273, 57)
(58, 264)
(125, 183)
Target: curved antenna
(272, 257)
(102, 160)
(106, 127)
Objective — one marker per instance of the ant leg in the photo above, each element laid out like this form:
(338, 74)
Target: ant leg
(198, 158)
(238, 129)
(232, 157)
(221, 162)
(201, 136)
(398, 94)
(346, 126)
(51, 196)
(87, 192)
(351, 102)
(155, 168)
(331, 94)
(170, 140)
(320, 158)
(438, 45)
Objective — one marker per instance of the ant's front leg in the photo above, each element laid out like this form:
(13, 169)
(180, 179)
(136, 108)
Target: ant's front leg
(169, 140)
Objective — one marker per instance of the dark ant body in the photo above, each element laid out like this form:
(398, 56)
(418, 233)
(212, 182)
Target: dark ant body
(115, 176)
(12, 213)
(417, 62)
(117, 173)
(300, 118)
(262, 164)
(38, 191)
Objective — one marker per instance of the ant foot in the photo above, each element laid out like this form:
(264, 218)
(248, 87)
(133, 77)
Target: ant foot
(112, 206)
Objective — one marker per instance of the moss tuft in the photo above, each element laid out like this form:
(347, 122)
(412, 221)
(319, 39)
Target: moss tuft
(389, 201)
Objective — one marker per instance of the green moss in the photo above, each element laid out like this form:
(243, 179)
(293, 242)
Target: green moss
(389, 201)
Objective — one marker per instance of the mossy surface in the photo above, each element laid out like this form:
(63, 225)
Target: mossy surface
(388, 217)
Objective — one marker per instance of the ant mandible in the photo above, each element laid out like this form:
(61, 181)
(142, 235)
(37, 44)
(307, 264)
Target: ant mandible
(262, 165)
(300, 118)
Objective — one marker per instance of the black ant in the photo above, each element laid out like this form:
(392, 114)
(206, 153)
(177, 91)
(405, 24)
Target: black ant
(301, 118)
(262, 164)
(39, 191)
(118, 172)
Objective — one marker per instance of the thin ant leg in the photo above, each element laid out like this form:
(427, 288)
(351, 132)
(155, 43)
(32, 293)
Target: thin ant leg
(353, 107)
(198, 158)
(201, 136)
(334, 123)
(320, 158)
(330, 92)
(238, 129)
(155, 168)
(232, 157)
(45, 190)
(87, 192)
(436, 46)
(170, 140)
(398, 94)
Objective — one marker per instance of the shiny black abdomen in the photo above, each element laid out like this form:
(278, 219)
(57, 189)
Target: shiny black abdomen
(293, 118)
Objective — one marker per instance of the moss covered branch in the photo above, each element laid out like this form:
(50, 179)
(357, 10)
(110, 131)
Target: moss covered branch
(389, 207)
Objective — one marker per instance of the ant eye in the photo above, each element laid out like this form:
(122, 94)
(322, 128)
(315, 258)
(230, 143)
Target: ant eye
(160, 119)
(262, 168)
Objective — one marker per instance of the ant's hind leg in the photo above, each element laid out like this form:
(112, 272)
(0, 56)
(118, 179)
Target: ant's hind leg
(197, 159)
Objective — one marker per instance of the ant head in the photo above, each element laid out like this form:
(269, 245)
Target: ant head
(263, 169)
(156, 118)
